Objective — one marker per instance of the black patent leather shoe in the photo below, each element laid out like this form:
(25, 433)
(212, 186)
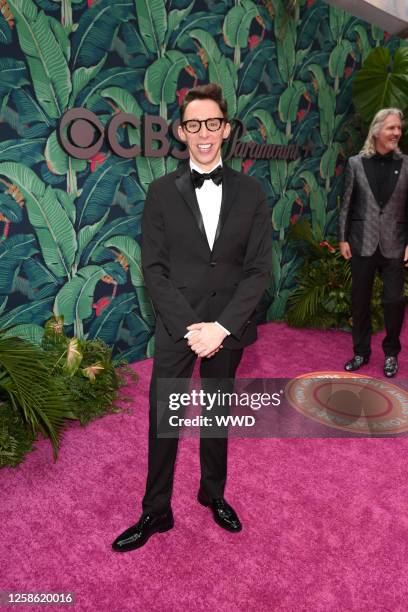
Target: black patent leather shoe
(356, 363)
(390, 366)
(137, 535)
(223, 514)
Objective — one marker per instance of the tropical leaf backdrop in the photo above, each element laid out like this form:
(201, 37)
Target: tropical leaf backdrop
(69, 228)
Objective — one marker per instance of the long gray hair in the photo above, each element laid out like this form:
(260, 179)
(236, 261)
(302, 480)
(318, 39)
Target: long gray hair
(369, 146)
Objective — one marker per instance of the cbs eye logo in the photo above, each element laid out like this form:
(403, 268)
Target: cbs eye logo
(82, 135)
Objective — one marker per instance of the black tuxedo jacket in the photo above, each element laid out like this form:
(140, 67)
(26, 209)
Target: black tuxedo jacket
(187, 281)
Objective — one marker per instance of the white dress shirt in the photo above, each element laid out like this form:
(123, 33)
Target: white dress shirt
(209, 198)
(209, 201)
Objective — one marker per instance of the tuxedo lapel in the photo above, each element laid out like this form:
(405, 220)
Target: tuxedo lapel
(229, 189)
(394, 177)
(186, 189)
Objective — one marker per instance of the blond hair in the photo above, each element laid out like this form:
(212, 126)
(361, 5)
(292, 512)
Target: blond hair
(369, 146)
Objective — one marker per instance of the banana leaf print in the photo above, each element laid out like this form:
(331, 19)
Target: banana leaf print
(54, 230)
(12, 254)
(74, 300)
(44, 51)
(69, 228)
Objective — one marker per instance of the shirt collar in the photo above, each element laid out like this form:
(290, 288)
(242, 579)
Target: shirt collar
(194, 166)
(386, 157)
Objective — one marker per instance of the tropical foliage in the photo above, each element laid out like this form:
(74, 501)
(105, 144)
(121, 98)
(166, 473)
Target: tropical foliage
(322, 297)
(70, 229)
(47, 378)
(382, 82)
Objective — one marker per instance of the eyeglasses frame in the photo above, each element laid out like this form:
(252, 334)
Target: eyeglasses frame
(201, 121)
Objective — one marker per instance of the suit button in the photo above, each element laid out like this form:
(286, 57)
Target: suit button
(213, 264)
(381, 212)
(213, 294)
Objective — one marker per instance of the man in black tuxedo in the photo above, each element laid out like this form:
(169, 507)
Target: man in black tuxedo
(373, 233)
(206, 256)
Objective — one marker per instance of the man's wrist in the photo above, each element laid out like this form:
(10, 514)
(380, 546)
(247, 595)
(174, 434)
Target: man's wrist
(227, 333)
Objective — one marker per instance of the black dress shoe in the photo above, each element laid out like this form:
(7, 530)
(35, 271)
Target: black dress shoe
(137, 535)
(390, 366)
(224, 515)
(356, 363)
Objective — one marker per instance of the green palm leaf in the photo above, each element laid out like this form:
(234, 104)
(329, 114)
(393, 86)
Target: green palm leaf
(13, 252)
(30, 312)
(50, 221)
(382, 82)
(106, 327)
(21, 149)
(289, 101)
(36, 122)
(75, 298)
(131, 250)
(97, 29)
(25, 376)
(338, 58)
(282, 210)
(48, 65)
(86, 234)
(175, 17)
(152, 17)
(128, 225)
(161, 77)
(81, 77)
(121, 77)
(149, 169)
(13, 73)
(30, 332)
(221, 69)
(5, 32)
(237, 23)
(10, 209)
(127, 104)
(58, 161)
(100, 189)
(318, 202)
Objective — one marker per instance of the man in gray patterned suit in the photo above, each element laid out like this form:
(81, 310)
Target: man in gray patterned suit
(373, 233)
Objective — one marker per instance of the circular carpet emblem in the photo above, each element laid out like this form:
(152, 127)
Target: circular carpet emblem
(351, 402)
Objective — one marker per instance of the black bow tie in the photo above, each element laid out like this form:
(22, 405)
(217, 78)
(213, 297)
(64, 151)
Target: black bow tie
(215, 176)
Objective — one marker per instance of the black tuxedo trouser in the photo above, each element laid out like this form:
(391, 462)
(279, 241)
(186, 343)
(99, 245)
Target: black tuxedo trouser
(162, 451)
(363, 271)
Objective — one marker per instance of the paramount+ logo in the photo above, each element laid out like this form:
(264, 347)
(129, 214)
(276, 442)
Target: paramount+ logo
(82, 135)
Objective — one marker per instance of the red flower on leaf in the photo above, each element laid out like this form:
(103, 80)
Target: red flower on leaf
(97, 160)
(89, 3)
(300, 115)
(348, 71)
(100, 305)
(253, 41)
(246, 165)
(386, 36)
(328, 246)
(338, 170)
(180, 95)
(6, 229)
(294, 218)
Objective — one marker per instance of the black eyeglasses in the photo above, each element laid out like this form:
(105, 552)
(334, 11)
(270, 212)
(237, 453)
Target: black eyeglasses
(194, 125)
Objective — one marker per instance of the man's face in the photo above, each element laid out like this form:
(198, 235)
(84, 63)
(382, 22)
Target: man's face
(204, 146)
(389, 135)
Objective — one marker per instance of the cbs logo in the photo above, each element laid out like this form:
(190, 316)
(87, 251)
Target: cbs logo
(82, 135)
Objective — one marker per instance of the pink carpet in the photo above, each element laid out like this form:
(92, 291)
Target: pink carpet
(325, 520)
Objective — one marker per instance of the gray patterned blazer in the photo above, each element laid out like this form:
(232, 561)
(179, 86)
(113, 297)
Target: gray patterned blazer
(362, 221)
